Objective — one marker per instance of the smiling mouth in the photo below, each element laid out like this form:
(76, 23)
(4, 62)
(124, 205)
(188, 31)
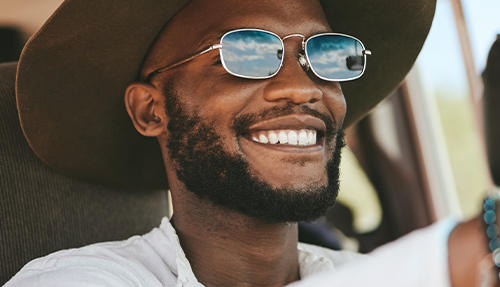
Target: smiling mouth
(304, 137)
(292, 130)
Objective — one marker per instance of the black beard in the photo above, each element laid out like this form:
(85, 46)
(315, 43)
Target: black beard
(225, 179)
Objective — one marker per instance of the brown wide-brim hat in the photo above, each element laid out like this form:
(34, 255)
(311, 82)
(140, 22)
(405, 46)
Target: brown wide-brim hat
(73, 73)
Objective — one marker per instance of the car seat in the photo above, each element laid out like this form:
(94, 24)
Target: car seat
(43, 210)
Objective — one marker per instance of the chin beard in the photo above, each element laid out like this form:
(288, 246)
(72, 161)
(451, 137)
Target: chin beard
(206, 169)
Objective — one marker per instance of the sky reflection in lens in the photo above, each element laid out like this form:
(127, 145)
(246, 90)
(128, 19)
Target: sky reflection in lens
(335, 56)
(251, 53)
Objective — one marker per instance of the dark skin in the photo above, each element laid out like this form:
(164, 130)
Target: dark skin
(467, 248)
(226, 248)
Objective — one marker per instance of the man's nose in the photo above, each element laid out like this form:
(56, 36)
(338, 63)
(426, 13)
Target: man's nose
(292, 83)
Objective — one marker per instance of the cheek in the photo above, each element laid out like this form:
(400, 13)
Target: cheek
(335, 102)
(220, 99)
(217, 100)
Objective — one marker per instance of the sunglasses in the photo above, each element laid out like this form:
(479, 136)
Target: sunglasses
(258, 54)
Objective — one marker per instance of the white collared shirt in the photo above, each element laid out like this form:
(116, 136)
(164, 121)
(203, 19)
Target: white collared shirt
(154, 259)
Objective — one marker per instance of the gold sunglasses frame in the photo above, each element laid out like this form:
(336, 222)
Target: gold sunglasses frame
(305, 64)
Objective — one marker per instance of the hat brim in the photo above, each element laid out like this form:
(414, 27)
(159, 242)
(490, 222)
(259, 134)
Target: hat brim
(73, 73)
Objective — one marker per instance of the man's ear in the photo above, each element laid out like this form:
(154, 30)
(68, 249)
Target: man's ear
(140, 99)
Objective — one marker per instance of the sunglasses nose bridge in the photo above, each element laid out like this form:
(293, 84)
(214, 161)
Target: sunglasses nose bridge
(295, 35)
(300, 56)
(303, 46)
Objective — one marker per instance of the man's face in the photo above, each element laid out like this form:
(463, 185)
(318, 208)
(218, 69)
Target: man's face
(213, 117)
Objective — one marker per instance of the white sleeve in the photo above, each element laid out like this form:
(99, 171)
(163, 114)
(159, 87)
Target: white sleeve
(417, 259)
(75, 276)
(91, 266)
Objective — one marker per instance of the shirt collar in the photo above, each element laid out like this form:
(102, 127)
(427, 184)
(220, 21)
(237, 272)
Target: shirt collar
(309, 263)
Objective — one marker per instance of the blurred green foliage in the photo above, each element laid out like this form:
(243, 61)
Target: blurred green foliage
(462, 141)
(357, 193)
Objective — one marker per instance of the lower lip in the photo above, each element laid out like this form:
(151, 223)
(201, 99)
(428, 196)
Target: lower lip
(318, 147)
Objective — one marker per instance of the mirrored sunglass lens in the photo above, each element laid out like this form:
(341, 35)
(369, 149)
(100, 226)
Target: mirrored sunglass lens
(336, 57)
(252, 53)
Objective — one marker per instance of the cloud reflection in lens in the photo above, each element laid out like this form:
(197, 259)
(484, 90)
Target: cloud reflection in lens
(255, 54)
(335, 56)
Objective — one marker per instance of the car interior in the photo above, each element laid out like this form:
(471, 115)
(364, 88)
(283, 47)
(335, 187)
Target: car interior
(399, 149)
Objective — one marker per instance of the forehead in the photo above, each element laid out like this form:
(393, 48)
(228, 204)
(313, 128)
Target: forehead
(202, 22)
(277, 15)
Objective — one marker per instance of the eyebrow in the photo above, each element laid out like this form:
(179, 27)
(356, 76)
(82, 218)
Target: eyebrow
(212, 38)
(316, 32)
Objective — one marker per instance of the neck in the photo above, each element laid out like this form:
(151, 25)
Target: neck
(229, 249)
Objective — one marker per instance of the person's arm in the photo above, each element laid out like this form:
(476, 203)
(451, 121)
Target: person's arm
(431, 256)
(466, 250)
(417, 259)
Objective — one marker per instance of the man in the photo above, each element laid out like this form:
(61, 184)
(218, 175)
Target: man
(247, 153)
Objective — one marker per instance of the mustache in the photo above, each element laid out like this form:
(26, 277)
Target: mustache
(242, 123)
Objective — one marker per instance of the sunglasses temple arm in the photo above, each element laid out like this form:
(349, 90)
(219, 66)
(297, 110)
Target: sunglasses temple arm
(148, 78)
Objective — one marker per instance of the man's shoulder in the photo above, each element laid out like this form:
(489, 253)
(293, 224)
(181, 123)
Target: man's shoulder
(133, 262)
(337, 257)
(104, 251)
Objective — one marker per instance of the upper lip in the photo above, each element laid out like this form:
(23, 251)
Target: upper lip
(290, 122)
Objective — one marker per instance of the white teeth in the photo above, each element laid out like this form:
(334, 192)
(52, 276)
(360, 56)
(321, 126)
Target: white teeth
(303, 138)
(263, 139)
(292, 138)
(273, 138)
(283, 138)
